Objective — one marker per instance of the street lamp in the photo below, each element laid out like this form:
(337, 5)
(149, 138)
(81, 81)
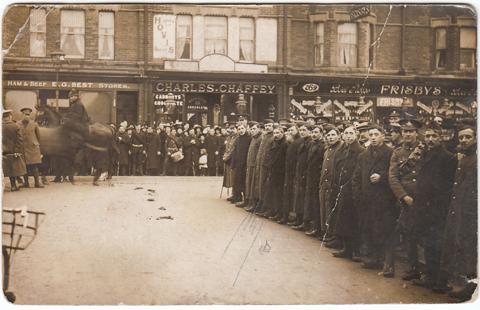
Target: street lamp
(58, 57)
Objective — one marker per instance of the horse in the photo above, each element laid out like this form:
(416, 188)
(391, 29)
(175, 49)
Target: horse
(56, 140)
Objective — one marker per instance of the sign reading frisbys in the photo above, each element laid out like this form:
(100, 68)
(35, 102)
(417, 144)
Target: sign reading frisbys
(216, 87)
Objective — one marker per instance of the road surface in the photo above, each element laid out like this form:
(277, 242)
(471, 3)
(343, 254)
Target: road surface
(116, 244)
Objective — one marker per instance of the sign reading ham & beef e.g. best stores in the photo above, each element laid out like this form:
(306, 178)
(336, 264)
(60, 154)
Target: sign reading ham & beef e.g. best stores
(68, 84)
(216, 87)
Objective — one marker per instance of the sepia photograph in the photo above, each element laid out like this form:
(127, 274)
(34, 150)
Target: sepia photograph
(217, 153)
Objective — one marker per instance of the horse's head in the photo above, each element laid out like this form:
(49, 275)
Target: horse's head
(47, 116)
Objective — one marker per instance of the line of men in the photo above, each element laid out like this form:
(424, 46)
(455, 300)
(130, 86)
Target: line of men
(361, 194)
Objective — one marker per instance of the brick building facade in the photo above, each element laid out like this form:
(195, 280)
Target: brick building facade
(205, 63)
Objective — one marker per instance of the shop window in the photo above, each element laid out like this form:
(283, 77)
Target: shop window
(468, 45)
(246, 39)
(106, 31)
(215, 35)
(440, 48)
(347, 45)
(184, 37)
(72, 33)
(319, 43)
(38, 33)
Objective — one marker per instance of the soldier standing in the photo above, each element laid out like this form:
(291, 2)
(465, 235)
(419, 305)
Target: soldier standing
(403, 176)
(12, 150)
(256, 135)
(138, 150)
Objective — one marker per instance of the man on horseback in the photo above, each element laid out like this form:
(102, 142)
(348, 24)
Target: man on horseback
(77, 118)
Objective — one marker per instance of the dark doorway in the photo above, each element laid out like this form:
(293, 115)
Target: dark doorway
(127, 107)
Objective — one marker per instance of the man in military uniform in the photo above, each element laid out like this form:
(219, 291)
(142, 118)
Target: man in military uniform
(403, 174)
(256, 135)
(137, 143)
(77, 118)
(13, 163)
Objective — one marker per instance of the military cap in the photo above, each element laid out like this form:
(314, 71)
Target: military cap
(363, 126)
(261, 125)
(269, 121)
(299, 123)
(394, 128)
(283, 121)
(130, 127)
(375, 126)
(468, 123)
(394, 113)
(322, 119)
(433, 126)
(26, 110)
(252, 123)
(410, 124)
(73, 92)
(329, 127)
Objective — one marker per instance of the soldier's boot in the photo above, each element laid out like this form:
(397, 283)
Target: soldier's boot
(13, 184)
(95, 180)
(44, 180)
(71, 179)
(465, 294)
(411, 274)
(25, 181)
(36, 177)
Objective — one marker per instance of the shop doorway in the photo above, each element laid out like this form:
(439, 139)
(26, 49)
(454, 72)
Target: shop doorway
(127, 107)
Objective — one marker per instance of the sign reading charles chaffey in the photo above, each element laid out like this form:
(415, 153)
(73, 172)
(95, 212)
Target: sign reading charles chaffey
(215, 87)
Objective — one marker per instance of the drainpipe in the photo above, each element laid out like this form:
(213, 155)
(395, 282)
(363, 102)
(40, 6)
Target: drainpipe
(402, 42)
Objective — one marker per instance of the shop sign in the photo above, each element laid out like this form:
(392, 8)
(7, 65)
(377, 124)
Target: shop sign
(160, 99)
(215, 87)
(68, 84)
(389, 102)
(164, 36)
(359, 12)
(310, 87)
(371, 88)
(197, 105)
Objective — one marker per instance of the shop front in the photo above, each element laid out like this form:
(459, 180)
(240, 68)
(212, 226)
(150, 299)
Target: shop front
(105, 101)
(373, 99)
(213, 102)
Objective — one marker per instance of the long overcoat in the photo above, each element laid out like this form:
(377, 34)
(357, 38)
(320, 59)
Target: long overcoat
(459, 254)
(275, 175)
(261, 165)
(290, 165)
(345, 217)
(314, 169)
(124, 146)
(239, 162)
(251, 161)
(153, 146)
(31, 144)
(12, 143)
(374, 202)
(300, 180)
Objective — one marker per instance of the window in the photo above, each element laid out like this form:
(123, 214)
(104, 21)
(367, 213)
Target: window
(38, 22)
(246, 39)
(468, 45)
(319, 43)
(215, 35)
(347, 44)
(440, 47)
(184, 37)
(72, 33)
(106, 31)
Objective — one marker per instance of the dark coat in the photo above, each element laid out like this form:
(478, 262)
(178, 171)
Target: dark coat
(251, 161)
(275, 175)
(12, 143)
(153, 147)
(290, 165)
(434, 185)
(239, 162)
(459, 255)
(326, 185)
(77, 112)
(375, 203)
(228, 175)
(191, 152)
(212, 146)
(124, 146)
(313, 171)
(261, 165)
(345, 222)
(300, 180)
(31, 144)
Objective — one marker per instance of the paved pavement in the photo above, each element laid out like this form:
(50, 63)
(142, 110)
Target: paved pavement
(115, 244)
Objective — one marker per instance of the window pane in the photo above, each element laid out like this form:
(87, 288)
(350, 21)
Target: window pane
(215, 35)
(319, 37)
(468, 38)
(106, 24)
(72, 28)
(38, 33)
(467, 58)
(246, 39)
(441, 38)
(184, 37)
(441, 58)
(347, 44)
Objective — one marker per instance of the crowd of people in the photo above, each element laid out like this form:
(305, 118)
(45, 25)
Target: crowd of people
(364, 189)
(360, 188)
